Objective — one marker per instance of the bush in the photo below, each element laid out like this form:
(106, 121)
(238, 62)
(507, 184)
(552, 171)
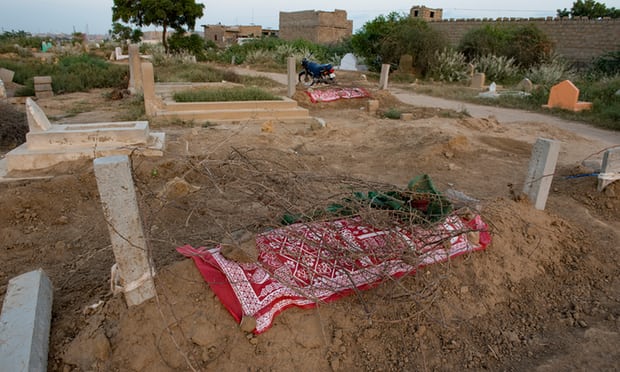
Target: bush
(497, 68)
(448, 65)
(392, 113)
(607, 65)
(386, 38)
(70, 74)
(193, 44)
(527, 44)
(550, 73)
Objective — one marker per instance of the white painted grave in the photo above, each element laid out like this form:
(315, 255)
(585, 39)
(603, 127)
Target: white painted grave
(48, 144)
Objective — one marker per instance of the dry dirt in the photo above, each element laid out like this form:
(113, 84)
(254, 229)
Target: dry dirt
(544, 296)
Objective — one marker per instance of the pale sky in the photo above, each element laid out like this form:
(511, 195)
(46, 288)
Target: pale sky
(95, 16)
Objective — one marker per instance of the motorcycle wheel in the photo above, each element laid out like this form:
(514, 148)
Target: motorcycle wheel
(305, 79)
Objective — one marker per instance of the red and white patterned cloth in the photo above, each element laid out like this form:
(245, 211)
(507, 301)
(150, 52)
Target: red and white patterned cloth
(334, 94)
(306, 263)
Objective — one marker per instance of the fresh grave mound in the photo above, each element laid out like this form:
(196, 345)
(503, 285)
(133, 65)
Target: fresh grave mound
(311, 262)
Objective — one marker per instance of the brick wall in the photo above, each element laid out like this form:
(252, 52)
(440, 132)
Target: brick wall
(579, 40)
(316, 26)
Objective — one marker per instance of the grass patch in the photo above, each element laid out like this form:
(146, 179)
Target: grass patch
(225, 94)
(605, 113)
(392, 113)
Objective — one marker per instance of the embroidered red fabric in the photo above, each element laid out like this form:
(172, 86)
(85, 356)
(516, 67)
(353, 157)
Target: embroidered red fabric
(307, 263)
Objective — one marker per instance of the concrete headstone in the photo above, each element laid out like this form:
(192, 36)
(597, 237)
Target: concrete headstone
(348, 62)
(477, 81)
(610, 170)
(525, 85)
(37, 120)
(405, 64)
(565, 95)
(6, 75)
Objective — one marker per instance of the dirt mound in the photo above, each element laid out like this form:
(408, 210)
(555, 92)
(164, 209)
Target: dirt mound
(13, 127)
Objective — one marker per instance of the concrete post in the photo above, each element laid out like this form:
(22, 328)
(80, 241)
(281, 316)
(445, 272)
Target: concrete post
(148, 89)
(540, 172)
(25, 323)
(292, 76)
(385, 73)
(135, 69)
(610, 170)
(120, 208)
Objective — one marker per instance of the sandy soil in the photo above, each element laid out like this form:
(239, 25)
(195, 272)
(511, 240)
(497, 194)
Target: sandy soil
(544, 296)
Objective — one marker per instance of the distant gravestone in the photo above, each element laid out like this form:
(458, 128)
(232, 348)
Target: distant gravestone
(348, 62)
(525, 85)
(565, 95)
(405, 64)
(477, 81)
(43, 86)
(6, 75)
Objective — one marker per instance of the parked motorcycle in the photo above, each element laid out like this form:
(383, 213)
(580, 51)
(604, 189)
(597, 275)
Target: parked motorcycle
(316, 73)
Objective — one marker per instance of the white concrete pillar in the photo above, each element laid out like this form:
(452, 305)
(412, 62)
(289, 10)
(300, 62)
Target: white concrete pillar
(120, 208)
(610, 170)
(541, 170)
(25, 323)
(135, 69)
(292, 76)
(385, 73)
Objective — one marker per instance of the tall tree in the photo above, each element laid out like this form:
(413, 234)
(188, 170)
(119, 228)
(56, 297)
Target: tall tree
(589, 8)
(175, 14)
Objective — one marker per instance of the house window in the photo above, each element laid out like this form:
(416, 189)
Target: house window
(215, 37)
(415, 13)
(432, 14)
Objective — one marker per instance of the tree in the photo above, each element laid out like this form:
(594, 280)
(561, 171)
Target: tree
(175, 14)
(120, 33)
(386, 39)
(589, 8)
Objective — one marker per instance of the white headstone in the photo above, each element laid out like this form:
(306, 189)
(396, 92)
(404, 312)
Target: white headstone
(493, 87)
(37, 120)
(348, 62)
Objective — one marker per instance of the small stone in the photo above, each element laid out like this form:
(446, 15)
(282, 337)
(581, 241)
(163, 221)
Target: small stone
(62, 220)
(254, 341)
(335, 364)
(464, 290)
(448, 154)
(582, 323)
(248, 323)
(421, 331)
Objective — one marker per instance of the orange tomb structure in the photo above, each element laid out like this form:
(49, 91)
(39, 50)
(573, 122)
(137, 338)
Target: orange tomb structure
(565, 95)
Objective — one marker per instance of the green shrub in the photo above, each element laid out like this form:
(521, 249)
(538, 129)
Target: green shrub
(497, 68)
(550, 73)
(225, 94)
(448, 65)
(392, 113)
(607, 65)
(526, 44)
(192, 44)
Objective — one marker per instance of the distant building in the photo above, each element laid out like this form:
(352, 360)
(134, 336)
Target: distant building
(427, 14)
(226, 35)
(316, 26)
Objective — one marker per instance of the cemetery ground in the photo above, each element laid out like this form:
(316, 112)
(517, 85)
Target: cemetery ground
(544, 296)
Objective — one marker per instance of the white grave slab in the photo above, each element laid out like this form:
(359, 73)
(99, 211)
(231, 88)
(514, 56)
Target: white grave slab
(348, 62)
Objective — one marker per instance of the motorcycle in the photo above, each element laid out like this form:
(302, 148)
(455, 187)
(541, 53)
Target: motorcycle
(316, 73)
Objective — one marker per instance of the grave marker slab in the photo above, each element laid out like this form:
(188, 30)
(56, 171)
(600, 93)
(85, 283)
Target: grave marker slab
(6, 75)
(405, 64)
(385, 74)
(565, 95)
(25, 323)
(610, 170)
(348, 62)
(120, 208)
(477, 81)
(540, 171)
